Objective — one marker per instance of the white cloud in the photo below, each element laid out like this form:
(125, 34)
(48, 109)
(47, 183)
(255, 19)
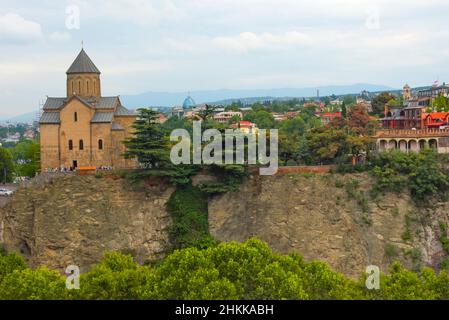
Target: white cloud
(15, 29)
(248, 41)
(206, 44)
(139, 12)
(136, 67)
(60, 36)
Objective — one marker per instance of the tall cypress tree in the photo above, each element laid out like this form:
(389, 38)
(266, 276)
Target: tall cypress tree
(344, 111)
(149, 144)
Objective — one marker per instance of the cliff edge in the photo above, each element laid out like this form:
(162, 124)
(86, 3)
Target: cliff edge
(331, 218)
(74, 220)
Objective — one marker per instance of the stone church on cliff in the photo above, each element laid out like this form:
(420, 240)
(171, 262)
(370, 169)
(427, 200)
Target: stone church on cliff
(84, 128)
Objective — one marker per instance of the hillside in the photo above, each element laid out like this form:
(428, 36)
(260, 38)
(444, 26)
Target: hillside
(326, 217)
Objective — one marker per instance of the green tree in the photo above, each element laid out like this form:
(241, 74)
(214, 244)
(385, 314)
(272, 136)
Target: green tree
(26, 155)
(9, 263)
(423, 173)
(427, 178)
(326, 145)
(207, 112)
(358, 118)
(7, 166)
(349, 100)
(235, 119)
(116, 277)
(378, 103)
(440, 104)
(149, 144)
(29, 284)
(262, 118)
(344, 111)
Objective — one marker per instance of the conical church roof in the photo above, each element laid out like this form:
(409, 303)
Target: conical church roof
(83, 64)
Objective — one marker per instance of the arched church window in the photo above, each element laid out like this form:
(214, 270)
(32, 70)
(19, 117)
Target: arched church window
(79, 87)
(87, 87)
(70, 145)
(81, 144)
(75, 116)
(100, 144)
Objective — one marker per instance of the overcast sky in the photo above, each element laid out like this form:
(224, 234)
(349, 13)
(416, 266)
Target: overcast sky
(174, 45)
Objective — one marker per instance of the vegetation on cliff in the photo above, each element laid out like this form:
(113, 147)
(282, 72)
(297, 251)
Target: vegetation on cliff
(227, 271)
(425, 174)
(188, 209)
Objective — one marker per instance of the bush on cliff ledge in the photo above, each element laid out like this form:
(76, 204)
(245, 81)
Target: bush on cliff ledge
(423, 173)
(227, 271)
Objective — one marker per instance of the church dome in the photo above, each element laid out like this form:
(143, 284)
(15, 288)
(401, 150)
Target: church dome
(188, 103)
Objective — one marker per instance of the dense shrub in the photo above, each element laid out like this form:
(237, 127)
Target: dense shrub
(226, 271)
(424, 174)
(9, 263)
(29, 284)
(228, 178)
(188, 209)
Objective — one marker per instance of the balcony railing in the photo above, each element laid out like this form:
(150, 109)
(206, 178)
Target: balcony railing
(422, 133)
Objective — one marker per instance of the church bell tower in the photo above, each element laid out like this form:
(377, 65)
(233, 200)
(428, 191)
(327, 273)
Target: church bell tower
(83, 78)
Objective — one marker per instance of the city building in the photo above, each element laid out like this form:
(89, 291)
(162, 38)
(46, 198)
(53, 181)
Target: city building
(84, 129)
(29, 135)
(224, 117)
(394, 119)
(415, 109)
(327, 117)
(12, 138)
(279, 116)
(246, 127)
(336, 102)
(188, 103)
(436, 120)
(161, 118)
(413, 140)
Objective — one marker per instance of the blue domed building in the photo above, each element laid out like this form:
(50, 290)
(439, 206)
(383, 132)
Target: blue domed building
(188, 103)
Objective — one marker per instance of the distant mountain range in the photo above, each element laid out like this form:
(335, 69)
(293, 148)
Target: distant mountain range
(170, 99)
(224, 96)
(28, 117)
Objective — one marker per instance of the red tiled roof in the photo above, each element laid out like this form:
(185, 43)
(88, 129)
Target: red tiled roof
(246, 124)
(331, 114)
(437, 115)
(435, 119)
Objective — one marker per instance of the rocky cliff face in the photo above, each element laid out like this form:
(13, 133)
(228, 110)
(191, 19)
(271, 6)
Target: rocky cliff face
(74, 220)
(331, 218)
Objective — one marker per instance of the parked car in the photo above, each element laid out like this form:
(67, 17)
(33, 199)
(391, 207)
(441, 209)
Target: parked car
(5, 192)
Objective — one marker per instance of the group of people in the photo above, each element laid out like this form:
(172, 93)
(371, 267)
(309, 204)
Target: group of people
(103, 168)
(63, 169)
